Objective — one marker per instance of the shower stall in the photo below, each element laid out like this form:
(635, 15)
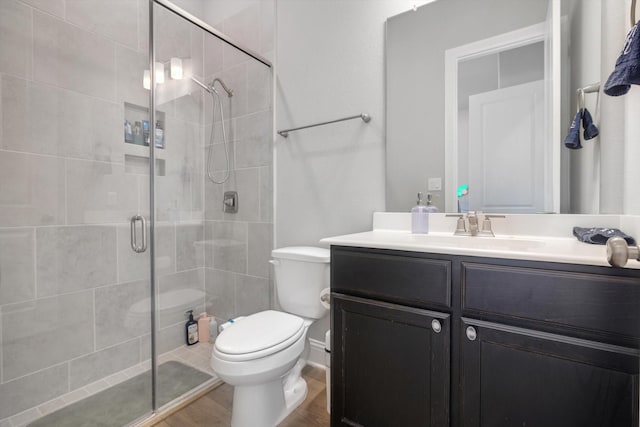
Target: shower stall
(122, 125)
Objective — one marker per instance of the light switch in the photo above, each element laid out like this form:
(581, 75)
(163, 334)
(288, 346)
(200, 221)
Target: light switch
(435, 184)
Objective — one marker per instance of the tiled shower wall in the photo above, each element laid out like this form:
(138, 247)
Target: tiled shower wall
(237, 273)
(73, 295)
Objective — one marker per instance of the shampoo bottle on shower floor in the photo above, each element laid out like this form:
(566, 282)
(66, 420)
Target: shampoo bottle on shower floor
(191, 329)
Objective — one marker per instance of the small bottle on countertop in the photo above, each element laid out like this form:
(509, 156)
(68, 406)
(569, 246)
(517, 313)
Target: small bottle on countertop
(420, 217)
(191, 329)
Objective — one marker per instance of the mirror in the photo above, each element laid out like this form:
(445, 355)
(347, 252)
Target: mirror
(482, 93)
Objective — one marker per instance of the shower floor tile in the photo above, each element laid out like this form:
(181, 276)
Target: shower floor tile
(196, 357)
(127, 401)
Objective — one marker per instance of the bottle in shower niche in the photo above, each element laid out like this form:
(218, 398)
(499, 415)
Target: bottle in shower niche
(146, 132)
(137, 134)
(191, 329)
(128, 132)
(159, 135)
(420, 217)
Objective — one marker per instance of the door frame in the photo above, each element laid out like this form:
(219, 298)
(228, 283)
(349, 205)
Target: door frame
(502, 42)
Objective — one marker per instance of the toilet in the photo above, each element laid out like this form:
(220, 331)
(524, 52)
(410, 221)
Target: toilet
(262, 355)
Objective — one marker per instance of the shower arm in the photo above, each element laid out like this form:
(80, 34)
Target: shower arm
(211, 88)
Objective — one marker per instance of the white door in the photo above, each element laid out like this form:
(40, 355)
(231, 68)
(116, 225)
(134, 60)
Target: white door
(507, 150)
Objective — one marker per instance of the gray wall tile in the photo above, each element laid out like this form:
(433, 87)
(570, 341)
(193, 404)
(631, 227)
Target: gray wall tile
(45, 332)
(189, 246)
(226, 247)
(29, 391)
(130, 66)
(221, 294)
(266, 194)
(212, 55)
(54, 7)
(259, 249)
(31, 190)
(252, 294)
(175, 38)
(143, 25)
(95, 366)
(178, 293)
(74, 258)
(76, 125)
(122, 313)
(256, 128)
(169, 338)
(259, 87)
(17, 260)
(17, 40)
(100, 193)
(115, 19)
(173, 197)
(213, 197)
(69, 57)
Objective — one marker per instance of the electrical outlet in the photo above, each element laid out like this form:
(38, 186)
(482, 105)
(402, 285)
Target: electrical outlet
(435, 184)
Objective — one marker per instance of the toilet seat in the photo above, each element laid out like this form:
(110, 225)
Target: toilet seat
(259, 335)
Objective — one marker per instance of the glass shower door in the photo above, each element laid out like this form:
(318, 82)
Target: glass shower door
(74, 296)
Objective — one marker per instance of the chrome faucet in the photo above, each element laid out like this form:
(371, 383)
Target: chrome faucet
(473, 229)
(472, 219)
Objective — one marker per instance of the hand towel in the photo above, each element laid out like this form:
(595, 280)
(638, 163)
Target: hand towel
(573, 138)
(590, 129)
(627, 69)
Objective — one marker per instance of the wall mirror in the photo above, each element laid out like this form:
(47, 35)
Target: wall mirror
(481, 93)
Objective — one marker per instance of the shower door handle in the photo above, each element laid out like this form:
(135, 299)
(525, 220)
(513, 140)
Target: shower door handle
(134, 234)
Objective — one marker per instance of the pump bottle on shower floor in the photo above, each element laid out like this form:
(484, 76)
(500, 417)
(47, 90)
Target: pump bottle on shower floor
(191, 329)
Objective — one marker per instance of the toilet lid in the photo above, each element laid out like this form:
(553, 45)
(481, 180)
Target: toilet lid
(260, 335)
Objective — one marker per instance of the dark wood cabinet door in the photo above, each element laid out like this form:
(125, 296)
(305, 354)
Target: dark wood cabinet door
(518, 377)
(390, 364)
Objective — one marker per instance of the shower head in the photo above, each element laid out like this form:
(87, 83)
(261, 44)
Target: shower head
(224, 86)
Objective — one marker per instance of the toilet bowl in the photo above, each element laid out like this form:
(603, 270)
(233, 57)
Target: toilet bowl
(262, 356)
(259, 372)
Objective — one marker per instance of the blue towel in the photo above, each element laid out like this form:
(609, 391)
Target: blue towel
(573, 138)
(627, 69)
(600, 235)
(590, 129)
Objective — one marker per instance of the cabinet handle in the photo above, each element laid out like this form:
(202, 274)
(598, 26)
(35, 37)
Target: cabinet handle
(471, 333)
(436, 326)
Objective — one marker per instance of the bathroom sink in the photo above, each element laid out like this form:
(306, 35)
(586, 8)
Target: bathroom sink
(502, 243)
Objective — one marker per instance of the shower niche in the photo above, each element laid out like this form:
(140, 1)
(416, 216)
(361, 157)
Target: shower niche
(137, 139)
(139, 131)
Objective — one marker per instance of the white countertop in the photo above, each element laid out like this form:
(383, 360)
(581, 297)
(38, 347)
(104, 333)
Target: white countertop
(520, 246)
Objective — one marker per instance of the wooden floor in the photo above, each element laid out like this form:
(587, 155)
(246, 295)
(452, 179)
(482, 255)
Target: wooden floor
(214, 408)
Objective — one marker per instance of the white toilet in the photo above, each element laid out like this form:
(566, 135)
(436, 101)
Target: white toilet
(260, 355)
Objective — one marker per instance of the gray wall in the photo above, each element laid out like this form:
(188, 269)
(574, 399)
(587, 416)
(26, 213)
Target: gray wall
(330, 64)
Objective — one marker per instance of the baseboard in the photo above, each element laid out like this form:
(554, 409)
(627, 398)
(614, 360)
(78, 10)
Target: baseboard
(316, 354)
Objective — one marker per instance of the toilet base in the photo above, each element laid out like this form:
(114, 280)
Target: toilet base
(266, 405)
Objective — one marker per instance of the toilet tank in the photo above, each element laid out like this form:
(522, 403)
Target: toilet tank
(301, 273)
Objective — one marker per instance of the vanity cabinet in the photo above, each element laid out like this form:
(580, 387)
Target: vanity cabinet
(390, 361)
(521, 343)
(521, 377)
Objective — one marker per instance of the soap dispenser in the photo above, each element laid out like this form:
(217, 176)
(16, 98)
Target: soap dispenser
(420, 217)
(191, 329)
